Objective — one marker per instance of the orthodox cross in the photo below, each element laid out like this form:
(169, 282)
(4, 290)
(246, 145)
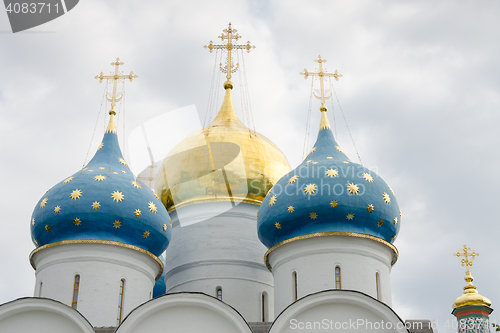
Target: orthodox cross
(467, 256)
(322, 74)
(117, 76)
(231, 36)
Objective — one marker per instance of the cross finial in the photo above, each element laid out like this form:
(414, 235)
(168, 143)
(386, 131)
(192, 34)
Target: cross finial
(117, 76)
(229, 36)
(467, 257)
(322, 74)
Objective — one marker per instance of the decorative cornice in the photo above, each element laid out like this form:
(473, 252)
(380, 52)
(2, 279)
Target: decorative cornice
(237, 200)
(97, 241)
(332, 233)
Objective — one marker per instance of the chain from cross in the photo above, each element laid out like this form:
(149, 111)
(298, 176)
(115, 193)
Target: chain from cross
(467, 256)
(116, 77)
(321, 74)
(231, 36)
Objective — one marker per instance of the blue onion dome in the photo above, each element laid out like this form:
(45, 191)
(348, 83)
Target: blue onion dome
(160, 288)
(328, 193)
(104, 202)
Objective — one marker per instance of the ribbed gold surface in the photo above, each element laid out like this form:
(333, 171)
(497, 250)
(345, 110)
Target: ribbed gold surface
(223, 162)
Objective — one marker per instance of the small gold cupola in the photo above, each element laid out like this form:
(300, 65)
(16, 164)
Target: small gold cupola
(470, 295)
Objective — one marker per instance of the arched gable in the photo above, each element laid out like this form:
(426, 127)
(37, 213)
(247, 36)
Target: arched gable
(184, 312)
(41, 315)
(338, 310)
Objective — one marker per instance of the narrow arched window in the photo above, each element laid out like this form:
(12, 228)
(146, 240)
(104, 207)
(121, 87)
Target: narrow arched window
(76, 288)
(294, 275)
(377, 282)
(120, 302)
(263, 307)
(338, 278)
(219, 293)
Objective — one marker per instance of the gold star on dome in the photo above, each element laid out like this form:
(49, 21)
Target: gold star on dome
(102, 168)
(68, 180)
(117, 224)
(390, 188)
(272, 201)
(96, 205)
(350, 216)
(77, 221)
(44, 202)
(122, 161)
(315, 162)
(331, 173)
(35, 242)
(395, 221)
(123, 171)
(312, 150)
(90, 170)
(393, 237)
(293, 179)
(33, 222)
(76, 194)
(135, 184)
(387, 198)
(310, 188)
(100, 146)
(164, 227)
(145, 234)
(152, 207)
(47, 227)
(380, 223)
(346, 162)
(157, 197)
(400, 214)
(57, 209)
(85, 169)
(368, 177)
(339, 149)
(115, 172)
(313, 216)
(170, 219)
(291, 209)
(333, 203)
(353, 188)
(277, 225)
(329, 158)
(117, 196)
(99, 178)
(137, 213)
(370, 209)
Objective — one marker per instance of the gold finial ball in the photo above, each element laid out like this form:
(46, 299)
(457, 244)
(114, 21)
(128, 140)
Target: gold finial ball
(228, 84)
(323, 108)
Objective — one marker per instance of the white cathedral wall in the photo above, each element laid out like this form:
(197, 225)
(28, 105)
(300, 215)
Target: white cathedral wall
(215, 246)
(101, 268)
(314, 260)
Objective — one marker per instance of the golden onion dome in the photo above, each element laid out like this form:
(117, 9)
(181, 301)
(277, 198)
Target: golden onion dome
(225, 161)
(470, 295)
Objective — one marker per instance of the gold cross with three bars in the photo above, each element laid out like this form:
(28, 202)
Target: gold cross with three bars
(467, 256)
(230, 35)
(117, 76)
(321, 73)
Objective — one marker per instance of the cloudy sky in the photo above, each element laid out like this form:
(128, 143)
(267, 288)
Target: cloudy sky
(420, 92)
